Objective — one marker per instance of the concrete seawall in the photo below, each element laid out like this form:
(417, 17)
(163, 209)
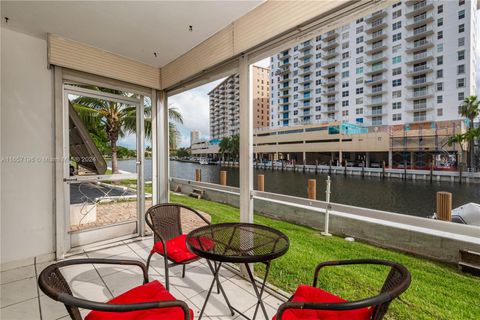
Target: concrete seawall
(433, 239)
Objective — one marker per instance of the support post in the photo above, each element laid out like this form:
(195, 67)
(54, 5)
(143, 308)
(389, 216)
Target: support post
(162, 147)
(312, 189)
(140, 167)
(246, 141)
(444, 206)
(198, 175)
(223, 178)
(261, 182)
(327, 209)
(390, 158)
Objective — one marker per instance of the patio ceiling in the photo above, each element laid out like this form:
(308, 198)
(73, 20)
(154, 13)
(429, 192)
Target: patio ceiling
(132, 29)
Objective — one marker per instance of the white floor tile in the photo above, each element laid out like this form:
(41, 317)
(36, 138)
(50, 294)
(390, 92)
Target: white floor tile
(93, 290)
(22, 311)
(109, 252)
(18, 291)
(17, 274)
(123, 281)
(52, 309)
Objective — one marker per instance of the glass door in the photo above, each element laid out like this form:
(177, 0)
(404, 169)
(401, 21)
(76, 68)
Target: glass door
(103, 175)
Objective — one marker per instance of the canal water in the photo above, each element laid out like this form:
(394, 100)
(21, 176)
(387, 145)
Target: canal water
(395, 195)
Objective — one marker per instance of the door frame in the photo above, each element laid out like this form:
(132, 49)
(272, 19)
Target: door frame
(61, 128)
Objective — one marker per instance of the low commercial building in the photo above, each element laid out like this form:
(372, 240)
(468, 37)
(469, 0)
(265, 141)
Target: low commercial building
(208, 149)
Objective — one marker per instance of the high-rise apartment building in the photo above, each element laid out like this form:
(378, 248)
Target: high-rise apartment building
(225, 105)
(414, 61)
(194, 136)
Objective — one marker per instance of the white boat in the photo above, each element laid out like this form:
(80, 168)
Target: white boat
(468, 213)
(203, 161)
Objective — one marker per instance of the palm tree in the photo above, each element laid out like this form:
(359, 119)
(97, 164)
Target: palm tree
(224, 147)
(117, 119)
(173, 135)
(470, 109)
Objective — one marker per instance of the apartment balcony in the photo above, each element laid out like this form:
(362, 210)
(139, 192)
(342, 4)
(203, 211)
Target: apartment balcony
(418, 21)
(282, 70)
(330, 73)
(377, 25)
(305, 80)
(376, 36)
(415, 71)
(302, 107)
(305, 46)
(416, 83)
(418, 8)
(282, 56)
(376, 15)
(422, 117)
(330, 45)
(330, 92)
(304, 72)
(420, 57)
(283, 111)
(375, 113)
(284, 103)
(376, 58)
(285, 86)
(329, 110)
(330, 63)
(330, 35)
(375, 102)
(419, 45)
(331, 100)
(423, 94)
(419, 107)
(375, 92)
(375, 80)
(375, 70)
(376, 48)
(305, 89)
(305, 98)
(284, 79)
(305, 54)
(329, 81)
(419, 33)
(330, 54)
(282, 95)
(305, 63)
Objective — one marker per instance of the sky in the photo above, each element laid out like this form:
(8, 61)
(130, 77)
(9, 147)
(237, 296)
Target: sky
(194, 107)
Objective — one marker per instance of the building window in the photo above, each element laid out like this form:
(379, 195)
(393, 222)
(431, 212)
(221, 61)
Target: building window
(359, 100)
(439, 99)
(397, 36)
(359, 70)
(439, 112)
(377, 121)
(359, 90)
(461, 2)
(396, 14)
(396, 48)
(345, 84)
(396, 71)
(359, 50)
(359, 39)
(397, 94)
(359, 29)
(396, 116)
(397, 59)
(318, 90)
(461, 96)
(345, 74)
(440, 8)
(345, 103)
(359, 111)
(398, 4)
(345, 45)
(461, 83)
(440, 86)
(461, 69)
(359, 60)
(346, 55)
(345, 113)
(359, 20)
(461, 14)
(440, 47)
(439, 22)
(318, 82)
(461, 55)
(397, 105)
(397, 25)
(440, 73)
(318, 108)
(345, 35)
(397, 82)
(345, 94)
(318, 99)
(318, 73)
(440, 35)
(359, 81)
(461, 28)
(345, 64)
(440, 61)
(461, 42)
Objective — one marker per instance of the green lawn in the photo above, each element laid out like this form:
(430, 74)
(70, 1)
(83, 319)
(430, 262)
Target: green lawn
(437, 291)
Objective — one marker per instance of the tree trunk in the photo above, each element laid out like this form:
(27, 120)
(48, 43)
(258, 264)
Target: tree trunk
(114, 157)
(471, 145)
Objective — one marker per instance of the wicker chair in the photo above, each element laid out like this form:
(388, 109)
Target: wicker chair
(165, 221)
(310, 302)
(150, 300)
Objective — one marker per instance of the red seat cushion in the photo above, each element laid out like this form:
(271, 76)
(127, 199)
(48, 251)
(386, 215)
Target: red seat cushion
(311, 294)
(177, 250)
(152, 291)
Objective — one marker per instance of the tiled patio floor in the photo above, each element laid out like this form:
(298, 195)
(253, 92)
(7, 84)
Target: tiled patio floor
(20, 300)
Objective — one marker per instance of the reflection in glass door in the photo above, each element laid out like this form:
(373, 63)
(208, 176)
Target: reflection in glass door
(105, 127)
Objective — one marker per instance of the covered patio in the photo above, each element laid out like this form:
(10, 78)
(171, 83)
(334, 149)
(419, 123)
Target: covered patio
(139, 54)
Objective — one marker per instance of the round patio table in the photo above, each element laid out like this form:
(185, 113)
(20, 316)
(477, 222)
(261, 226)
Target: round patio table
(243, 243)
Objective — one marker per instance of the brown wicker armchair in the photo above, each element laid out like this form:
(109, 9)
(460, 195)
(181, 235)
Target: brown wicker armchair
(310, 302)
(165, 221)
(150, 300)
